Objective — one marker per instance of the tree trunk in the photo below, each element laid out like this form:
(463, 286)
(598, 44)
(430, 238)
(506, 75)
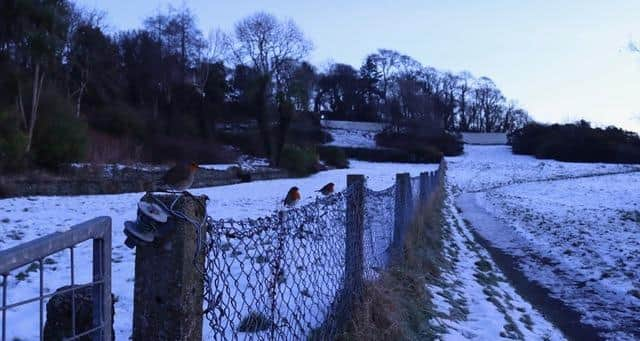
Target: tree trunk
(205, 123)
(262, 116)
(285, 111)
(20, 105)
(79, 100)
(38, 80)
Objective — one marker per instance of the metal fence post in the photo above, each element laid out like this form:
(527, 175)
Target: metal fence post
(102, 293)
(168, 286)
(354, 248)
(403, 189)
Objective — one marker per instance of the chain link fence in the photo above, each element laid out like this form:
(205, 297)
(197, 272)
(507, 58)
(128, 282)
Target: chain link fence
(293, 274)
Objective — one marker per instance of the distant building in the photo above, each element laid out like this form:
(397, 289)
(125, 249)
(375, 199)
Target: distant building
(484, 138)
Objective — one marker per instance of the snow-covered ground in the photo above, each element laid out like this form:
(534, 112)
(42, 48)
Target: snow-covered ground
(583, 236)
(485, 167)
(244, 161)
(352, 134)
(23, 219)
(571, 227)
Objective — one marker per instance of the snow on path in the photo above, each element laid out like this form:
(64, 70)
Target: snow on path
(472, 297)
(24, 219)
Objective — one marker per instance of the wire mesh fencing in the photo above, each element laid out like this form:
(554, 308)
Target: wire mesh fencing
(294, 274)
(278, 275)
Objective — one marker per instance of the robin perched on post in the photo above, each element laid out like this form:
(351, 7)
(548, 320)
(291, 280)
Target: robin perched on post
(292, 198)
(326, 189)
(179, 177)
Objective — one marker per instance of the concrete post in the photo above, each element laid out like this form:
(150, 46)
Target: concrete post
(168, 289)
(403, 187)
(424, 187)
(354, 248)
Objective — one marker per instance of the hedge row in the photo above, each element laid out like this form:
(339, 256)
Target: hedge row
(577, 142)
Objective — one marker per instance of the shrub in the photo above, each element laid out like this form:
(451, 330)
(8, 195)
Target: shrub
(118, 120)
(577, 142)
(13, 143)
(298, 161)
(59, 136)
(334, 156)
(425, 154)
(448, 144)
(249, 142)
(165, 148)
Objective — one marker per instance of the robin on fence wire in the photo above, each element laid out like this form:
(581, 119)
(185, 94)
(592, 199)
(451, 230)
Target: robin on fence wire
(326, 189)
(179, 177)
(292, 198)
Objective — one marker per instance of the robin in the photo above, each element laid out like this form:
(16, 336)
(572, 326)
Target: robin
(179, 177)
(292, 198)
(326, 189)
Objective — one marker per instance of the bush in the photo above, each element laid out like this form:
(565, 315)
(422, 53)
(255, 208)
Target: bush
(118, 120)
(425, 154)
(165, 148)
(577, 142)
(298, 161)
(334, 156)
(249, 142)
(447, 144)
(59, 137)
(13, 143)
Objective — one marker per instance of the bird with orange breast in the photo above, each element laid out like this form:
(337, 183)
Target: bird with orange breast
(179, 177)
(292, 198)
(326, 189)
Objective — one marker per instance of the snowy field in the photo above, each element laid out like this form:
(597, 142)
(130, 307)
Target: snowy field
(573, 228)
(486, 167)
(23, 219)
(583, 236)
(352, 134)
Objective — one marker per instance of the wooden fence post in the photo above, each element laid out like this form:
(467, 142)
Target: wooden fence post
(168, 289)
(354, 248)
(403, 187)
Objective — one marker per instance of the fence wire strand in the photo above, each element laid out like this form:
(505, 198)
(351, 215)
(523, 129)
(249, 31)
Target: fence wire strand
(378, 230)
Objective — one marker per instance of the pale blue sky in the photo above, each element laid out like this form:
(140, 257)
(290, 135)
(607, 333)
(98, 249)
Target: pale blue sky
(561, 60)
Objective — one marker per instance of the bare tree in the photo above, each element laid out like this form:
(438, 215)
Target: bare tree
(463, 94)
(267, 44)
(488, 105)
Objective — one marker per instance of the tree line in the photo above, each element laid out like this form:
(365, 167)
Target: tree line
(65, 83)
